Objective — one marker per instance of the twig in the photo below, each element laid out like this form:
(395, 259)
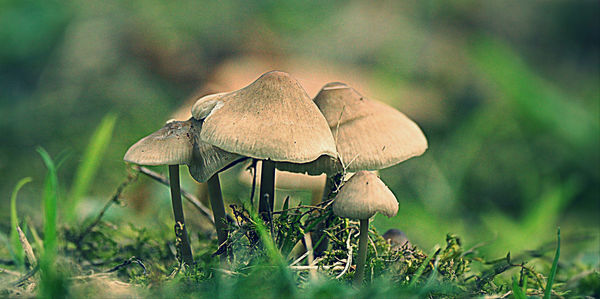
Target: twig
(317, 260)
(29, 274)
(15, 273)
(300, 207)
(229, 272)
(131, 260)
(114, 199)
(373, 244)
(303, 268)
(27, 248)
(300, 259)
(190, 197)
(349, 258)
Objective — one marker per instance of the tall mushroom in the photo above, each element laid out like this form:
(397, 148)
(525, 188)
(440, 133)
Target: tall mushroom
(273, 120)
(360, 198)
(175, 144)
(369, 135)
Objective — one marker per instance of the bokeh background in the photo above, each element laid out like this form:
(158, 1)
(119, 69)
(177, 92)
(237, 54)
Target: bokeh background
(507, 93)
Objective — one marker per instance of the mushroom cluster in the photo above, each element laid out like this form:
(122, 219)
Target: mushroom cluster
(274, 122)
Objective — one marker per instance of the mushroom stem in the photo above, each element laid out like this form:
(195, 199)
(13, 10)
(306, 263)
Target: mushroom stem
(267, 190)
(182, 241)
(216, 203)
(362, 252)
(316, 195)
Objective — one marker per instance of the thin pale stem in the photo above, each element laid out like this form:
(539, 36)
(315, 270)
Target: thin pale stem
(218, 208)
(182, 241)
(267, 190)
(362, 252)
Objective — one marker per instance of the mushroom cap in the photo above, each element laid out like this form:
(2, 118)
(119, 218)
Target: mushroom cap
(287, 180)
(369, 134)
(272, 118)
(363, 195)
(170, 145)
(177, 142)
(396, 237)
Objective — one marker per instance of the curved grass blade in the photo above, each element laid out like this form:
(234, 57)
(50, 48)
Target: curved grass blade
(421, 268)
(16, 248)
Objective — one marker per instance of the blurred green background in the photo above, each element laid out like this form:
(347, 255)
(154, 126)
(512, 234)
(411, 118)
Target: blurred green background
(506, 91)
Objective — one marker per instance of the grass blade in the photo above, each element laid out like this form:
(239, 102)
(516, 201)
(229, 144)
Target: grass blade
(273, 254)
(50, 198)
(421, 268)
(16, 248)
(548, 290)
(52, 285)
(90, 163)
(517, 291)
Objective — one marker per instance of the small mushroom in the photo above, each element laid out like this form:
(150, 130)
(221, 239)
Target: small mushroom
(397, 238)
(360, 198)
(175, 144)
(273, 120)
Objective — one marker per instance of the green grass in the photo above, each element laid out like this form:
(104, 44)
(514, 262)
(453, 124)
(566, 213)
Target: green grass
(548, 289)
(16, 248)
(259, 269)
(90, 163)
(518, 293)
(51, 282)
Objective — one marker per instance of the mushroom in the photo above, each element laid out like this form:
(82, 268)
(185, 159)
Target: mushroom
(363, 195)
(396, 238)
(273, 120)
(175, 144)
(369, 135)
(291, 181)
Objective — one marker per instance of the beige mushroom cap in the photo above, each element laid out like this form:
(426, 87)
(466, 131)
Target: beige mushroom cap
(170, 145)
(178, 143)
(364, 195)
(272, 118)
(370, 135)
(287, 180)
